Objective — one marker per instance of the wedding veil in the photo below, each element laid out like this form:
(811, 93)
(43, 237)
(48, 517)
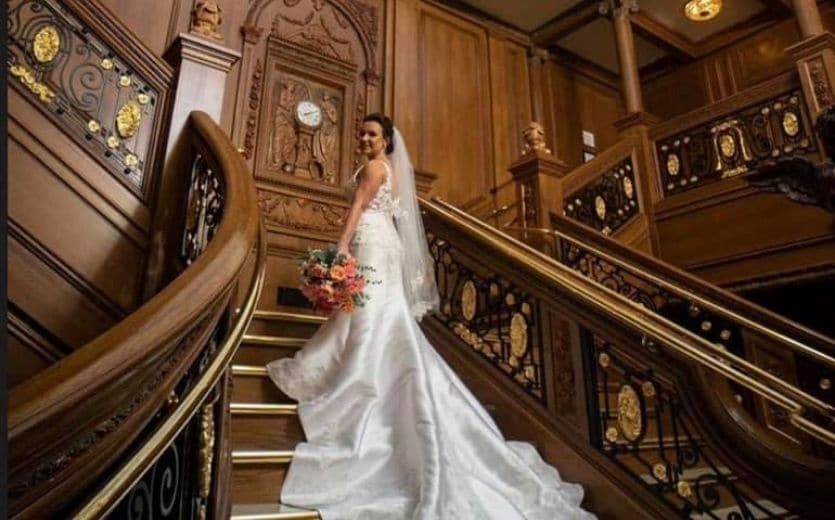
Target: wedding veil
(417, 265)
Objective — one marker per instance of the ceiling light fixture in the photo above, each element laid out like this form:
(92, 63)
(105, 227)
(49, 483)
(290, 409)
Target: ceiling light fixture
(702, 10)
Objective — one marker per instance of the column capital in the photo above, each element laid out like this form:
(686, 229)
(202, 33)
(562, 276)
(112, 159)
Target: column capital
(618, 7)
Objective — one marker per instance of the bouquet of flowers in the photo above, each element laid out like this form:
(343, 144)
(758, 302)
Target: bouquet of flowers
(332, 281)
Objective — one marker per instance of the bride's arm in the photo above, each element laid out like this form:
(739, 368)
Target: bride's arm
(374, 175)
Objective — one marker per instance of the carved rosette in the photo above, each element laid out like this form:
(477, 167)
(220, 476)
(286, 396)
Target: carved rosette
(735, 144)
(608, 202)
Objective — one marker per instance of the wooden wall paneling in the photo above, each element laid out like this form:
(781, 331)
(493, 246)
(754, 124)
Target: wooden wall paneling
(724, 72)
(153, 29)
(455, 115)
(59, 304)
(72, 228)
(673, 94)
(511, 104)
(744, 247)
(29, 347)
(563, 129)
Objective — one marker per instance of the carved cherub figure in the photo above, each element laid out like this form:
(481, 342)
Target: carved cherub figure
(534, 136)
(801, 180)
(206, 18)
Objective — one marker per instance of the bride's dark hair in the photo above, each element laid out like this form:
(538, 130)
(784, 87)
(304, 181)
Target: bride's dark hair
(388, 128)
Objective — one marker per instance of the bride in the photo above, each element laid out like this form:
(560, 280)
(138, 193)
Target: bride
(392, 433)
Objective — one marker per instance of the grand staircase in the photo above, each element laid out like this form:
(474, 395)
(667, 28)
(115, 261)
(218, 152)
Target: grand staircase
(265, 425)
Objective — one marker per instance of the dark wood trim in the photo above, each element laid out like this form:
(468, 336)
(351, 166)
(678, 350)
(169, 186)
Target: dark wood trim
(585, 68)
(566, 23)
(31, 334)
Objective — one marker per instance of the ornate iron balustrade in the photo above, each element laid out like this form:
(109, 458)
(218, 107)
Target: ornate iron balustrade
(735, 143)
(691, 312)
(491, 315)
(640, 421)
(102, 101)
(608, 202)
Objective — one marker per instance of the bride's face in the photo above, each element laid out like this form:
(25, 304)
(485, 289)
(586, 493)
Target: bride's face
(372, 142)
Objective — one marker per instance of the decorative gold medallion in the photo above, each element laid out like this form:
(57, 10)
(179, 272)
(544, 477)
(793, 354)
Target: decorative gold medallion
(93, 126)
(727, 145)
(128, 119)
(510, 299)
(611, 434)
(604, 360)
(113, 142)
(825, 383)
(628, 188)
(131, 160)
(526, 308)
(660, 471)
(648, 389)
(630, 419)
(143, 99)
(518, 335)
(673, 165)
(107, 64)
(28, 78)
(683, 489)
(706, 326)
(124, 81)
(791, 124)
(600, 207)
(468, 300)
(725, 335)
(46, 44)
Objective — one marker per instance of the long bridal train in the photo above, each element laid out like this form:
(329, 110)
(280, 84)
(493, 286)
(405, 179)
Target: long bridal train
(392, 433)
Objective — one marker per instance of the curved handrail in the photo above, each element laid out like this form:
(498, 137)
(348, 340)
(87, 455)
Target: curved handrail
(116, 488)
(683, 342)
(112, 362)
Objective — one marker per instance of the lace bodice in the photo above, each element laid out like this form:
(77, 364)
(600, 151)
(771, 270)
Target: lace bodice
(384, 200)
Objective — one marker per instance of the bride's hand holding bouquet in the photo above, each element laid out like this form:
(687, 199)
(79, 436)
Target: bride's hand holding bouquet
(331, 280)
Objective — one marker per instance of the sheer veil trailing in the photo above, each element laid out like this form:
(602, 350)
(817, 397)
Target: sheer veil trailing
(418, 272)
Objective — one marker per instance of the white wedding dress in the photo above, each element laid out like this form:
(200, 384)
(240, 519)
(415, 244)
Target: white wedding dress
(392, 433)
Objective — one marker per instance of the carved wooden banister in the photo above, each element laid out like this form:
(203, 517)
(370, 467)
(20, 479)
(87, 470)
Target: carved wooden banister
(651, 394)
(71, 424)
(603, 193)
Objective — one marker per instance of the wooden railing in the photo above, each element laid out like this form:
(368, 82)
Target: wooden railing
(582, 345)
(82, 432)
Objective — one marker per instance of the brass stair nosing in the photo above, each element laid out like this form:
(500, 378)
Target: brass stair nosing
(273, 341)
(291, 316)
(263, 409)
(296, 515)
(249, 370)
(240, 457)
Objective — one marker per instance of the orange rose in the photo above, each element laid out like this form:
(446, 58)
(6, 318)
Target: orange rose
(351, 270)
(337, 273)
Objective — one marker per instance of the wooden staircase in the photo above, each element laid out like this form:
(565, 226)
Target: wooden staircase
(265, 424)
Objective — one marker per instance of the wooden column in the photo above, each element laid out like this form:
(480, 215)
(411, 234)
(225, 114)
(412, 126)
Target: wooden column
(636, 123)
(627, 58)
(808, 18)
(202, 67)
(815, 57)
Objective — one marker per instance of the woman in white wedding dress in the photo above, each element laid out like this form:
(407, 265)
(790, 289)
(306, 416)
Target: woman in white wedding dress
(392, 433)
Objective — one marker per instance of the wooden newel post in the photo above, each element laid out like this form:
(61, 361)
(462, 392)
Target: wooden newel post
(538, 177)
(815, 58)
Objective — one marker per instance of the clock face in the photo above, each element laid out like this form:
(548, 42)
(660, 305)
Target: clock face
(309, 114)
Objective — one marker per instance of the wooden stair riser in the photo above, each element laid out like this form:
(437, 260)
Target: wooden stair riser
(260, 355)
(257, 483)
(256, 389)
(266, 432)
(274, 327)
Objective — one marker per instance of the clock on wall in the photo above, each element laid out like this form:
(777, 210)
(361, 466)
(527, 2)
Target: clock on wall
(309, 114)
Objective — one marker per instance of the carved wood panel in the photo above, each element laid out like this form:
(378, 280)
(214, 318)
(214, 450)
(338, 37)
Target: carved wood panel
(323, 52)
